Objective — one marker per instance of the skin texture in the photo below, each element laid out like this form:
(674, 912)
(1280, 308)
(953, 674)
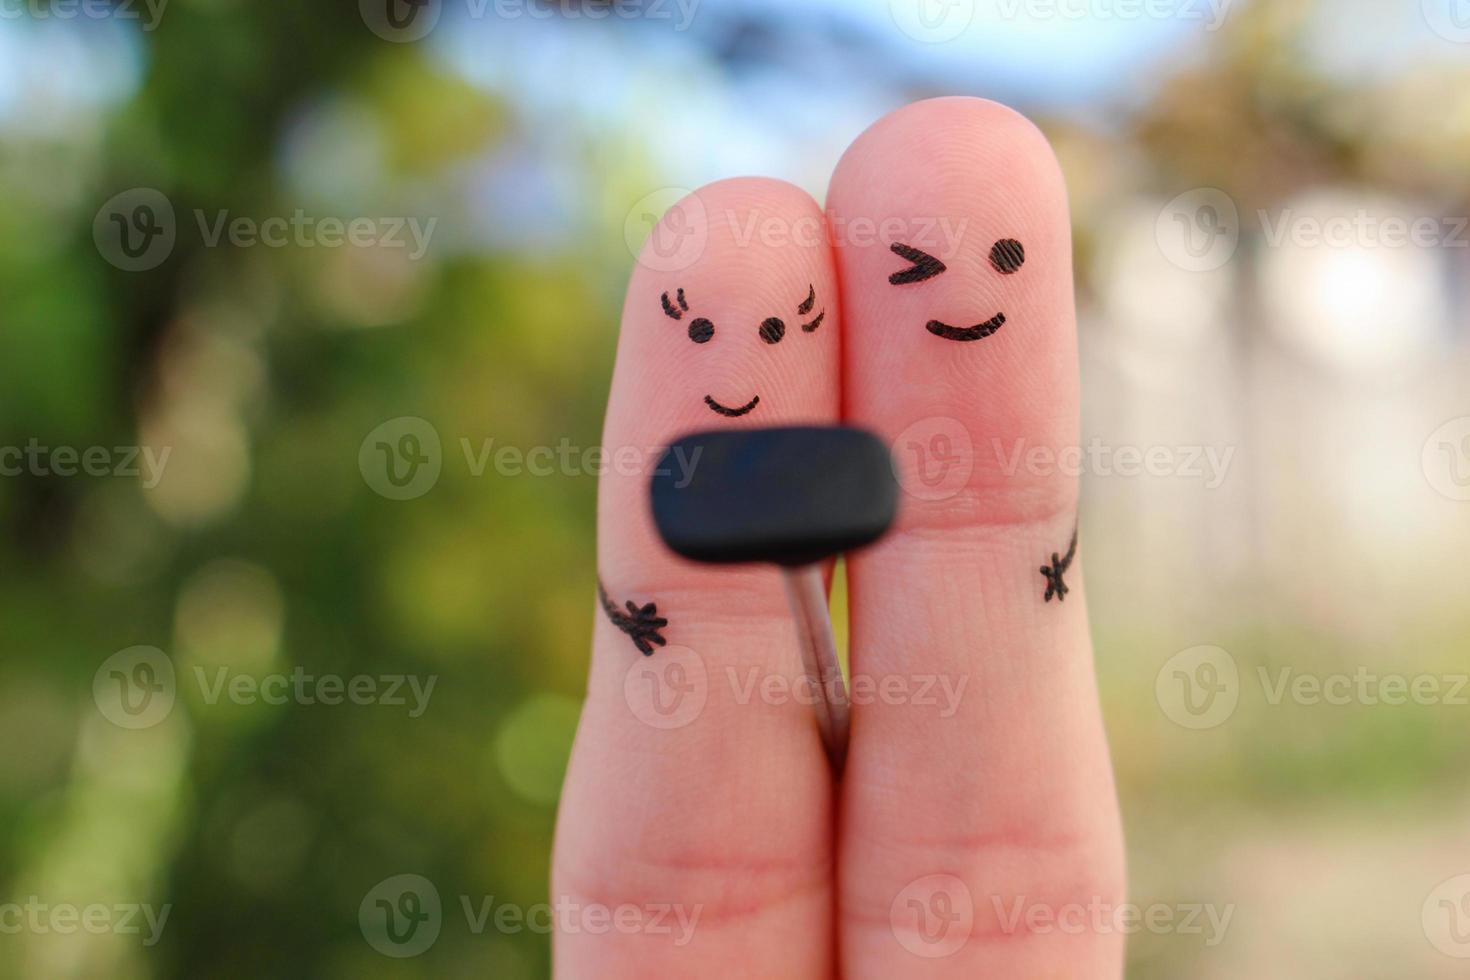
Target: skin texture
(952, 817)
(731, 812)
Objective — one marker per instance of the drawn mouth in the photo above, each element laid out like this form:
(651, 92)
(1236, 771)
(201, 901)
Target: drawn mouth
(731, 413)
(978, 332)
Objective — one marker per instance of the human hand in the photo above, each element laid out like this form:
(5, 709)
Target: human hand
(699, 812)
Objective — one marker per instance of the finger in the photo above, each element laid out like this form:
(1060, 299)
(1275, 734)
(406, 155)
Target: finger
(980, 784)
(691, 785)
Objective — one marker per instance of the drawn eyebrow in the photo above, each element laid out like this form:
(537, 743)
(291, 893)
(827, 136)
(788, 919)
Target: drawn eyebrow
(809, 302)
(925, 266)
(672, 311)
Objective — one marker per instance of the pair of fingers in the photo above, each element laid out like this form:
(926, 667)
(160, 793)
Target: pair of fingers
(701, 833)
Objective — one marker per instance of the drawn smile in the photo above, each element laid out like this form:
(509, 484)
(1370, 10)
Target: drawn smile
(731, 413)
(978, 332)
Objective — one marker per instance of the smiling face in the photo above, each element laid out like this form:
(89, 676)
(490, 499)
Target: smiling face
(731, 321)
(1006, 257)
(732, 313)
(772, 330)
(954, 254)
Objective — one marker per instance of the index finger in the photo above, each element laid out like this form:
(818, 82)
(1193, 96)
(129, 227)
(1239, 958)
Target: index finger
(993, 792)
(689, 789)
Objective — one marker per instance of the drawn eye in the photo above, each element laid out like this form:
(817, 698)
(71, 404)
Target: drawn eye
(925, 266)
(806, 307)
(672, 311)
(701, 330)
(772, 330)
(1007, 255)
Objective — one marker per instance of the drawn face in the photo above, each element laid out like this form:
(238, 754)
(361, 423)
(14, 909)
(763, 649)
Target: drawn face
(771, 330)
(1006, 258)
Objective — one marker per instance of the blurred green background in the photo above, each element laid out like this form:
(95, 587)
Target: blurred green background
(1238, 174)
